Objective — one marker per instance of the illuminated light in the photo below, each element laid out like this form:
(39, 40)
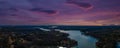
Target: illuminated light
(62, 47)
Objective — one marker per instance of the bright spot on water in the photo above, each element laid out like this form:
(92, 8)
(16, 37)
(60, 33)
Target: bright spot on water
(62, 47)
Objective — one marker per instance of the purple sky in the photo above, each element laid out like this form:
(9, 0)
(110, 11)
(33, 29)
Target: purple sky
(59, 12)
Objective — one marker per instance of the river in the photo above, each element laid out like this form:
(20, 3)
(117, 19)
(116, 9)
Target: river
(83, 40)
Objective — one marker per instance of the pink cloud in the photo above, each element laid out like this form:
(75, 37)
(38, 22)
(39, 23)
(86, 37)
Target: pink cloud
(82, 5)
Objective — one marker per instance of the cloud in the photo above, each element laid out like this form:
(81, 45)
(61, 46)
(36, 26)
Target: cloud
(30, 12)
(8, 11)
(10, 8)
(83, 5)
(44, 10)
(105, 17)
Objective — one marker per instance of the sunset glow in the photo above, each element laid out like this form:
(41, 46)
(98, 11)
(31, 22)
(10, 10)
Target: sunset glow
(60, 12)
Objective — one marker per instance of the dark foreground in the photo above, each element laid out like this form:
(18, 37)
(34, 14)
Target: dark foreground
(107, 37)
(34, 38)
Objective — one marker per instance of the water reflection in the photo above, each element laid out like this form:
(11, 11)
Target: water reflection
(118, 46)
(83, 40)
(107, 38)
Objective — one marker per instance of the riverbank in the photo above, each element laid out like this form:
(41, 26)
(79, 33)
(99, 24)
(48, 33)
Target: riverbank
(107, 37)
(83, 40)
(31, 38)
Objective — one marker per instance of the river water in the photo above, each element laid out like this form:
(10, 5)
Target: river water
(83, 40)
(118, 46)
